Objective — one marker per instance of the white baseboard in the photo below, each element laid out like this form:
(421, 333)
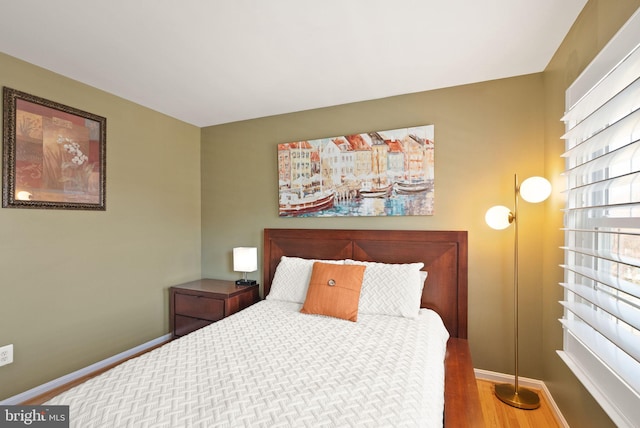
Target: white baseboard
(526, 382)
(45, 387)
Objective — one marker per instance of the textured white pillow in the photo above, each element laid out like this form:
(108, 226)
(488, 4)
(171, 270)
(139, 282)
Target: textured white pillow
(391, 289)
(291, 280)
(423, 278)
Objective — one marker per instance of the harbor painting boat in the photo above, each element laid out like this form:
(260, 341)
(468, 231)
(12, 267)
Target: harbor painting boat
(409, 187)
(293, 204)
(380, 173)
(369, 190)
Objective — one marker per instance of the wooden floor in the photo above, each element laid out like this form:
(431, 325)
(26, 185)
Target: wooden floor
(498, 414)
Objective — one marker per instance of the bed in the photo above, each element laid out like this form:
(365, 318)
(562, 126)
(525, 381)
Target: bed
(444, 254)
(272, 366)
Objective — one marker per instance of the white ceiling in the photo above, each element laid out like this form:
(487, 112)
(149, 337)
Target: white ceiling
(209, 62)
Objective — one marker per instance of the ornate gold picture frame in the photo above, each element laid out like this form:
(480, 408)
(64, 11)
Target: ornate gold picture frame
(54, 156)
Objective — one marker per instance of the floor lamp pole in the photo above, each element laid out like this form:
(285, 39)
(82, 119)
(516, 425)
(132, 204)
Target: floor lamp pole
(515, 279)
(514, 395)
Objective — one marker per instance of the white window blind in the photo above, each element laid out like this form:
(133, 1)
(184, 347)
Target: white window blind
(601, 303)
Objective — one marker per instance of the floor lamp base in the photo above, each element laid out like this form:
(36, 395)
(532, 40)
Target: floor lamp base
(522, 399)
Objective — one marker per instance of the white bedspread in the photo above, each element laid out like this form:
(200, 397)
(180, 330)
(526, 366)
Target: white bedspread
(270, 366)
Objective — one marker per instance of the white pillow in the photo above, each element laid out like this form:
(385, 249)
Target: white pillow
(291, 280)
(391, 289)
(423, 278)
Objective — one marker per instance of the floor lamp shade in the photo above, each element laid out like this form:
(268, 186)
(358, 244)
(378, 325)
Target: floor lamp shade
(245, 259)
(534, 189)
(498, 217)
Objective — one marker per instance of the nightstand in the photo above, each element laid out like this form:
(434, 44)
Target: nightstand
(196, 304)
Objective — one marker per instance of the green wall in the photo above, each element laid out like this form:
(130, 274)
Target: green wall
(79, 286)
(484, 133)
(598, 22)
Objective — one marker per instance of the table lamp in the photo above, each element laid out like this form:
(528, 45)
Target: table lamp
(245, 259)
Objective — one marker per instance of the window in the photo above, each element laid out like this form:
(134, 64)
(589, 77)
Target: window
(601, 303)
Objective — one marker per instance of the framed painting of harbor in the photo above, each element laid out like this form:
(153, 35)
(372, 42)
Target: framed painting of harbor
(379, 173)
(54, 155)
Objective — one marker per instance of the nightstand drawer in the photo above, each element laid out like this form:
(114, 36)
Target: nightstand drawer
(199, 307)
(185, 325)
(195, 304)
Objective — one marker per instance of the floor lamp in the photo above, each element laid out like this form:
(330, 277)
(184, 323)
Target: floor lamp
(533, 189)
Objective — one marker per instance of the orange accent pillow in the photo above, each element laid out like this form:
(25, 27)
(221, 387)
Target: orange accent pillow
(334, 290)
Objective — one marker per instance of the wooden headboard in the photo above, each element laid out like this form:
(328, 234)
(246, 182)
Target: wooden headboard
(444, 254)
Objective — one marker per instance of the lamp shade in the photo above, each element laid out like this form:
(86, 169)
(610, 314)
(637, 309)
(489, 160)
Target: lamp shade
(245, 259)
(498, 217)
(535, 189)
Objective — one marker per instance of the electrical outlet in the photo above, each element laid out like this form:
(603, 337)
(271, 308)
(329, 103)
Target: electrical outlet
(6, 355)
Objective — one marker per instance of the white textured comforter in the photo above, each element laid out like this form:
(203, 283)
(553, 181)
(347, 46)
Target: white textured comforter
(271, 366)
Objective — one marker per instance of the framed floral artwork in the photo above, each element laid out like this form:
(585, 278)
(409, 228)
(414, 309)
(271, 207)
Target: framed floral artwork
(54, 156)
